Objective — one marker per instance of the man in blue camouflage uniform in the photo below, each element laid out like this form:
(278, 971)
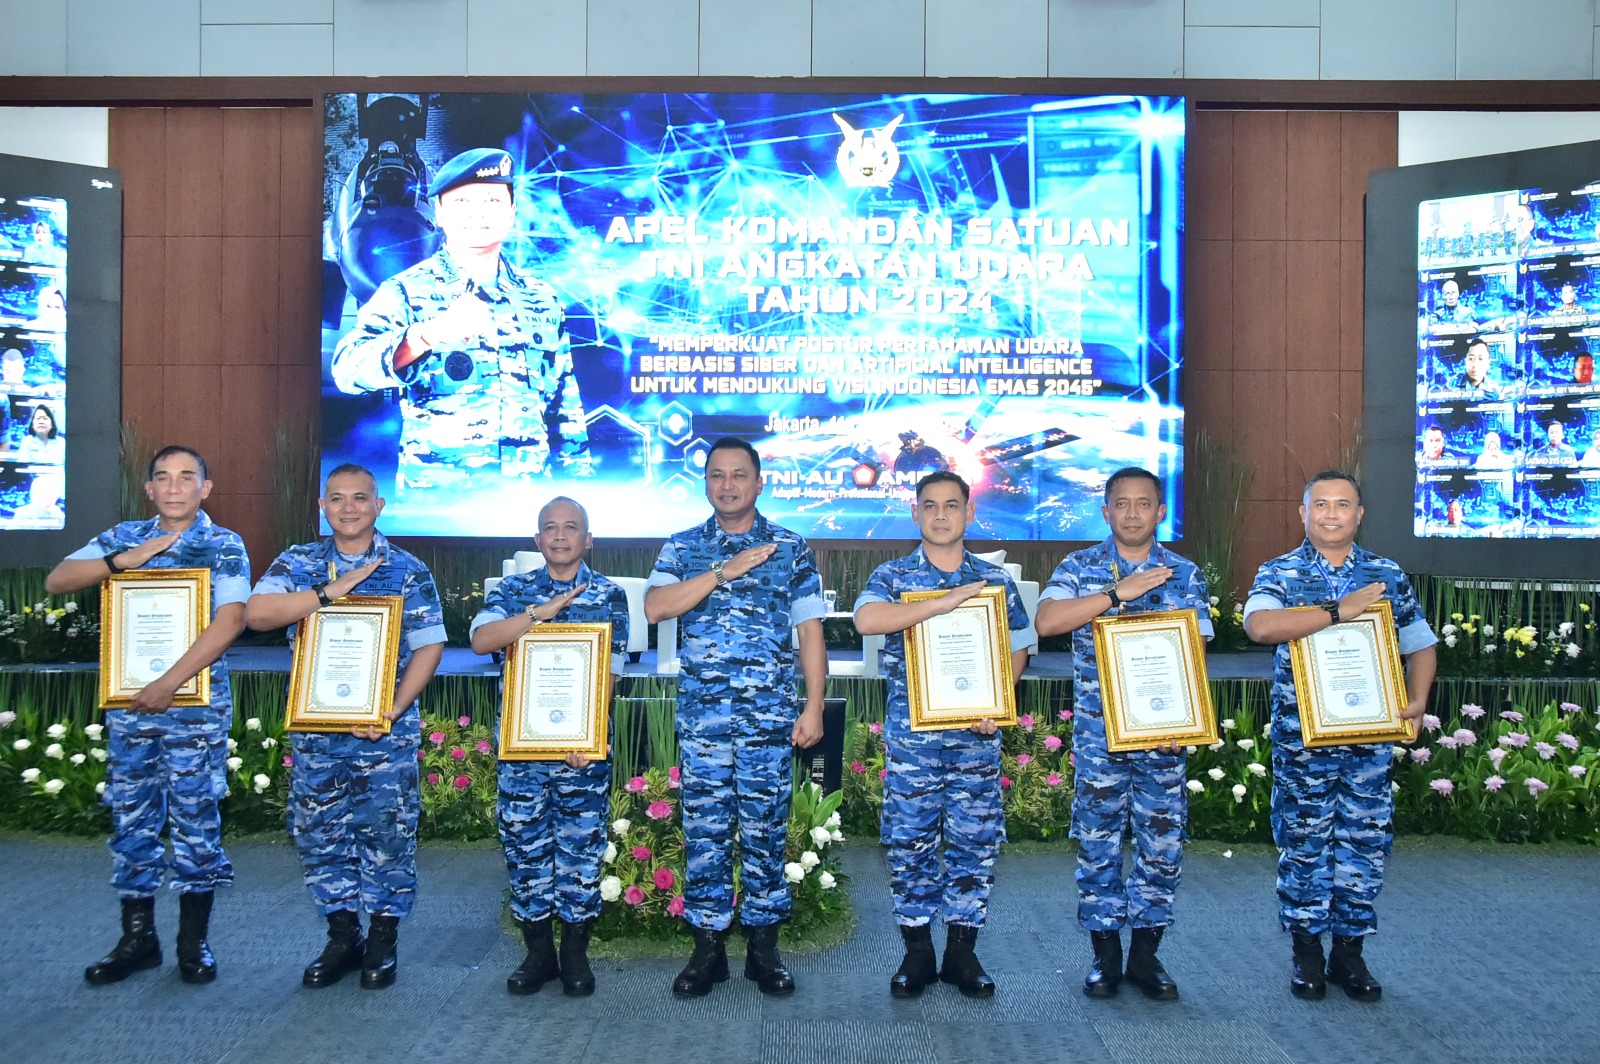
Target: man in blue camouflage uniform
(745, 588)
(1128, 572)
(166, 765)
(354, 797)
(478, 351)
(940, 784)
(553, 814)
(1332, 809)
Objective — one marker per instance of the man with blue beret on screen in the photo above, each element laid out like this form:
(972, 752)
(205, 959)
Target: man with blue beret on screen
(166, 765)
(478, 351)
(1332, 809)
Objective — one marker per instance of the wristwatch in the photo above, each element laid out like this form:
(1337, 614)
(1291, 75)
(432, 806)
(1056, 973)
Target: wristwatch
(113, 566)
(533, 618)
(1111, 593)
(716, 571)
(1332, 606)
(322, 594)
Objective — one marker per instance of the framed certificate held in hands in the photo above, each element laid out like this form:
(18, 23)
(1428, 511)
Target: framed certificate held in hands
(1153, 685)
(1351, 683)
(556, 693)
(345, 657)
(149, 618)
(958, 664)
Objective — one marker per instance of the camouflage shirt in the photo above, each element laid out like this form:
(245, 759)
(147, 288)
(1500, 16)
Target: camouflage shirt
(202, 545)
(402, 575)
(600, 601)
(916, 573)
(504, 405)
(1304, 578)
(1095, 569)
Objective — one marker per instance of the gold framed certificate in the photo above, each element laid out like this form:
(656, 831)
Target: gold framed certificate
(345, 658)
(555, 700)
(149, 618)
(1153, 685)
(1351, 683)
(958, 664)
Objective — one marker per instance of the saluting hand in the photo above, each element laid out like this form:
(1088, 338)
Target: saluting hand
(957, 595)
(135, 557)
(746, 560)
(348, 582)
(548, 611)
(1355, 604)
(467, 318)
(1136, 585)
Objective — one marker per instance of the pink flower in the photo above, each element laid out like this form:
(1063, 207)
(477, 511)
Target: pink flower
(1516, 739)
(1494, 783)
(883, 774)
(1571, 707)
(1546, 751)
(1512, 715)
(635, 785)
(483, 746)
(1568, 741)
(1466, 737)
(1496, 755)
(463, 782)
(875, 728)
(1430, 722)
(1472, 712)
(1065, 714)
(1052, 742)
(457, 753)
(1448, 742)
(1577, 772)
(465, 722)
(287, 760)
(659, 810)
(673, 778)
(1072, 759)
(421, 755)
(641, 853)
(1442, 786)
(437, 738)
(857, 767)
(1024, 759)
(433, 779)
(1025, 722)
(633, 896)
(1535, 785)
(675, 906)
(1420, 754)
(664, 879)
(1053, 780)
(1005, 781)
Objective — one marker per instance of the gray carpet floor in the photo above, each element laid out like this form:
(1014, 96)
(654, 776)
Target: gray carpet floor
(1487, 954)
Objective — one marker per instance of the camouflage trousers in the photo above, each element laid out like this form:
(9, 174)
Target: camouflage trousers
(726, 779)
(553, 830)
(162, 774)
(1146, 788)
(1332, 819)
(353, 809)
(942, 786)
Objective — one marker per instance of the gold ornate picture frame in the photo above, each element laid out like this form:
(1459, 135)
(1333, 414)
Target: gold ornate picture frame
(958, 664)
(149, 618)
(557, 693)
(1154, 690)
(345, 659)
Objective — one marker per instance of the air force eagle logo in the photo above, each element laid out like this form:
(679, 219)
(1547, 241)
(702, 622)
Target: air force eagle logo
(868, 159)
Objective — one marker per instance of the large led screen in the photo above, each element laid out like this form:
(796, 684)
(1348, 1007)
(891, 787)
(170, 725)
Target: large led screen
(33, 358)
(867, 288)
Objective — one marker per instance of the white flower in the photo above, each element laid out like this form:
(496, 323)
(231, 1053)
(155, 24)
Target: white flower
(98, 753)
(94, 732)
(819, 836)
(1489, 648)
(253, 724)
(100, 788)
(1239, 792)
(826, 881)
(1256, 768)
(233, 744)
(7, 719)
(1228, 724)
(1449, 629)
(835, 835)
(610, 853)
(1450, 640)
(56, 731)
(794, 871)
(1215, 773)
(1395, 786)
(1565, 629)
(1573, 650)
(610, 888)
(1401, 751)
(54, 750)
(77, 759)
(810, 860)
(268, 743)
(1196, 787)
(621, 825)
(54, 787)
(234, 763)
(21, 744)
(71, 606)
(50, 620)
(1227, 853)
(261, 782)
(1488, 629)
(29, 775)
(833, 820)
(1190, 749)
(1215, 601)
(1247, 744)
(1214, 747)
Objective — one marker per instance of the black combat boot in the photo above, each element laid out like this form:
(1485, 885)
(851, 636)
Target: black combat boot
(1144, 968)
(137, 949)
(378, 966)
(762, 964)
(540, 965)
(195, 962)
(577, 978)
(919, 968)
(341, 955)
(1105, 974)
(1347, 969)
(960, 967)
(708, 964)
(1307, 980)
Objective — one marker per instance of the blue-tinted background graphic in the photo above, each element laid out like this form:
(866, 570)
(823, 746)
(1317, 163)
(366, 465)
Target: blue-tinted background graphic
(866, 288)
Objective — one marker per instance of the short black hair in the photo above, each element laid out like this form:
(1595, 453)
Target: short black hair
(176, 448)
(1131, 473)
(1332, 474)
(348, 469)
(944, 476)
(51, 414)
(1477, 341)
(734, 443)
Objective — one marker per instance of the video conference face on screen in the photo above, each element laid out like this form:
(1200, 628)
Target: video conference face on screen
(865, 288)
(1508, 317)
(33, 360)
